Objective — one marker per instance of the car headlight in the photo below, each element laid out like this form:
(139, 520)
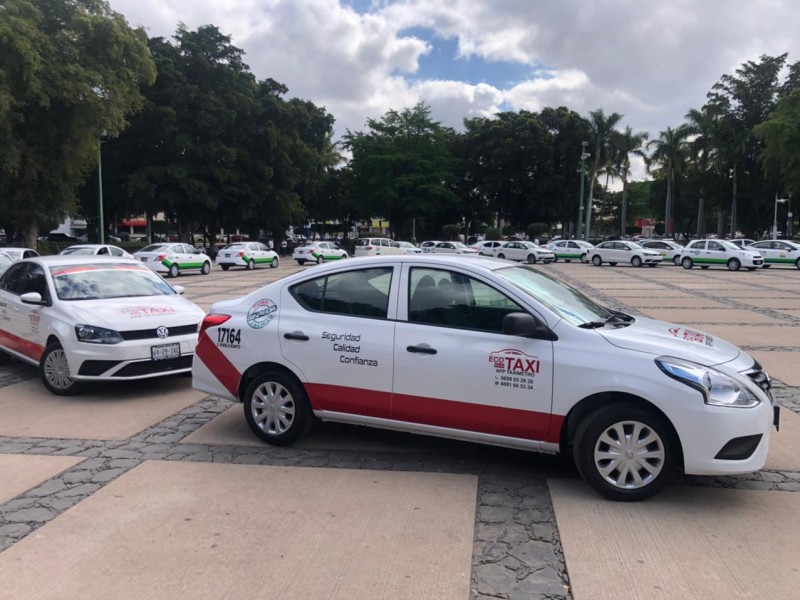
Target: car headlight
(97, 335)
(717, 388)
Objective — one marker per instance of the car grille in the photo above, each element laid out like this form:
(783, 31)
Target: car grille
(151, 367)
(146, 334)
(760, 378)
(96, 367)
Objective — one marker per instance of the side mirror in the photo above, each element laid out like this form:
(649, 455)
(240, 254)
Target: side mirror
(32, 298)
(525, 325)
(179, 288)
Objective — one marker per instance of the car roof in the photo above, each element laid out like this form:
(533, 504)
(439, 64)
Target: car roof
(88, 246)
(15, 249)
(70, 259)
(443, 260)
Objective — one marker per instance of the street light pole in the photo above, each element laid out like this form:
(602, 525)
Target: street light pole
(100, 190)
(775, 219)
(584, 156)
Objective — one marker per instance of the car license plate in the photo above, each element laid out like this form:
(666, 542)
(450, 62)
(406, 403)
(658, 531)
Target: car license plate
(301, 251)
(165, 351)
(227, 255)
(143, 259)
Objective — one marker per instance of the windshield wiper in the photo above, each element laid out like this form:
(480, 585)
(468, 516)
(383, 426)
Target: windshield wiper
(592, 325)
(616, 319)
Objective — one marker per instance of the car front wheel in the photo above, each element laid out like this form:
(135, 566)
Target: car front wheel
(54, 372)
(596, 260)
(797, 263)
(687, 263)
(625, 452)
(275, 262)
(531, 259)
(734, 264)
(206, 268)
(636, 261)
(276, 408)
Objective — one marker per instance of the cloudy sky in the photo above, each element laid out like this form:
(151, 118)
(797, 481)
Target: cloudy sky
(650, 61)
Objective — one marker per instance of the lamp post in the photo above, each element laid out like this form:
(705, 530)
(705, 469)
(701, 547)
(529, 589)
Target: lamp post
(584, 156)
(775, 219)
(100, 188)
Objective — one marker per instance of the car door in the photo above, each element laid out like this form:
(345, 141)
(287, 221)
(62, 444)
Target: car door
(338, 331)
(20, 323)
(455, 368)
(715, 253)
(695, 251)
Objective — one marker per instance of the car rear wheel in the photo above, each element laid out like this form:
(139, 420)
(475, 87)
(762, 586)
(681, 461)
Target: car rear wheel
(596, 260)
(531, 259)
(320, 259)
(676, 260)
(501, 256)
(225, 267)
(275, 262)
(734, 264)
(636, 261)
(174, 270)
(251, 264)
(584, 258)
(301, 262)
(613, 264)
(276, 408)
(54, 372)
(625, 452)
(687, 263)
(797, 263)
(206, 268)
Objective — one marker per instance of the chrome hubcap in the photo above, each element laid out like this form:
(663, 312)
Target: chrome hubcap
(56, 370)
(273, 408)
(629, 455)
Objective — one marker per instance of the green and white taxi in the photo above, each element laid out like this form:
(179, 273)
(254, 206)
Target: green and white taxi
(778, 252)
(248, 255)
(569, 250)
(174, 259)
(318, 252)
(707, 253)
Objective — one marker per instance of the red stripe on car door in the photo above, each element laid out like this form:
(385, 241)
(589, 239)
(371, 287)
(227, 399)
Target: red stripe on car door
(21, 345)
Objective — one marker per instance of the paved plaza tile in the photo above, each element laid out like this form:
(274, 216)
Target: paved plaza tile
(783, 365)
(19, 472)
(702, 315)
(784, 445)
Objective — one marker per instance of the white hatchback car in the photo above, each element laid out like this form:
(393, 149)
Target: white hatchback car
(487, 248)
(376, 247)
(20, 253)
(484, 350)
(318, 252)
(452, 248)
(95, 250)
(173, 259)
(569, 250)
(706, 253)
(524, 251)
(778, 252)
(409, 248)
(623, 252)
(247, 255)
(427, 246)
(670, 251)
(85, 319)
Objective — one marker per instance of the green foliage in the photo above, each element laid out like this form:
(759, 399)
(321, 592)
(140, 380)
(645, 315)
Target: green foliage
(71, 69)
(494, 234)
(780, 133)
(535, 230)
(451, 231)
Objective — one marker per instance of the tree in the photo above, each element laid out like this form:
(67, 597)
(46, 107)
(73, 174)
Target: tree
(626, 144)
(71, 69)
(780, 133)
(669, 155)
(602, 134)
(402, 168)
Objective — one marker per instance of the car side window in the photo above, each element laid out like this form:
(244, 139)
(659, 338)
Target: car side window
(116, 252)
(450, 299)
(35, 281)
(13, 278)
(363, 293)
(715, 246)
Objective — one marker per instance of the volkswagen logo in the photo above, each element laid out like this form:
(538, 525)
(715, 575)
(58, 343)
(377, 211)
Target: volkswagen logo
(162, 332)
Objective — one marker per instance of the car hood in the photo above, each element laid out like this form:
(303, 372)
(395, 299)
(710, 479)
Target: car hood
(669, 339)
(144, 312)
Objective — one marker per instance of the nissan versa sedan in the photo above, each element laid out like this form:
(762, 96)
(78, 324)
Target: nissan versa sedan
(778, 252)
(82, 319)
(569, 250)
(623, 252)
(707, 253)
(318, 252)
(488, 351)
(247, 255)
(174, 259)
(524, 251)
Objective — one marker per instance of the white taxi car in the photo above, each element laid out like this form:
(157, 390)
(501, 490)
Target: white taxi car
(377, 246)
(524, 251)
(452, 248)
(706, 253)
(670, 251)
(487, 248)
(173, 259)
(247, 255)
(569, 250)
(85, 319)
(428, 245)
(777, 252)
(484, 350)
(409, 248)
(96, 250)
(623, 252)
(20, 253)
(318, 252)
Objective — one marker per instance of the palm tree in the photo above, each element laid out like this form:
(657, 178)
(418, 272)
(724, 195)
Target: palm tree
(627, 143)
(669, 153)
(602, 132)
(704, 154)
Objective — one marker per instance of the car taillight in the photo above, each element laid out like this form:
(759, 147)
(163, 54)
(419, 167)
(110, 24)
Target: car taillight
(312, 249)
(241, 253)
(161, 257)
(369, 248)
(212, 320)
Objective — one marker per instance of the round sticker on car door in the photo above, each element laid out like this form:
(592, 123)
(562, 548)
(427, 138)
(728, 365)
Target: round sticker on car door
(261, 313)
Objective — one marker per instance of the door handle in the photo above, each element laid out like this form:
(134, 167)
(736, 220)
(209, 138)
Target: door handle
(421, 349)
(296, 335)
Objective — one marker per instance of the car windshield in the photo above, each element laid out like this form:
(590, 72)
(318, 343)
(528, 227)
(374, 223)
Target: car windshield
(78, 250)
(458, 245)
(154, 248)
(91, 282)
(237, 246)
(563, 300)
(406, 244)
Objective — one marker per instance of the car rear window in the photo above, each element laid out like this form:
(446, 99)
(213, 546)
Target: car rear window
(154, 248)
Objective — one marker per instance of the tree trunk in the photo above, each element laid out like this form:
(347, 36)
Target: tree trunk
(30, 233)
(623, 219)
(733, 204)
(668, 208)
(701, 215)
